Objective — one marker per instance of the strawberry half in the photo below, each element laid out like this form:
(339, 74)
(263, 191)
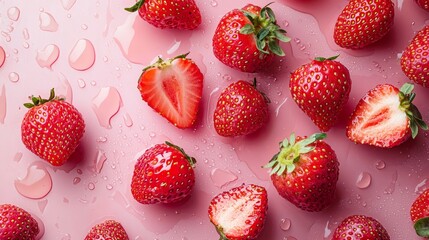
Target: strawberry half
(423, 4)
(247, 39)
(52, 128)
(415, 58)
(239, 213)
(385, 117)
(173, 88)
(363, 22)
(305, 172)
(240, 110)
(360, 227)
(183, 14)
(109, 230)
(420, 214)
(321, 88)
(164, 173)
(17, 224)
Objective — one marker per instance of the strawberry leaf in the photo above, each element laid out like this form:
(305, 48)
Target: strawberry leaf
(190, 159)
(247, 29)
(407, 88)
(262, 34)
(281, 36)
(261, 46)
(422, 227)
(275, 48)
(28, 105)
(135, 7)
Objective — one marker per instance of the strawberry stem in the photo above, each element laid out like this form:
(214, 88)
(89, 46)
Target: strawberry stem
(406, 97)
(191, 160)
(37, 101)
(135, 7)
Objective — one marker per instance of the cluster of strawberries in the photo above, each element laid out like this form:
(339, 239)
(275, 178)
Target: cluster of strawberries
(304, 171)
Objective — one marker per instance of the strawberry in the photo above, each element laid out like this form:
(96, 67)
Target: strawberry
(173, 88)
(240, 110)
(108, 230)
(385, 117)
(239, 214)
(420, 214)
(52, 128)
(415, 58)
(423, 4)
(363, 22)
(164, 173)
(16, 223)
(360, 227)
(183, 14)
(247, 39)
(321, 88)
(305, 172)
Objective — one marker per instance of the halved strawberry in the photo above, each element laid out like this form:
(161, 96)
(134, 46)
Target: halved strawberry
(173, 88)
(385, 117)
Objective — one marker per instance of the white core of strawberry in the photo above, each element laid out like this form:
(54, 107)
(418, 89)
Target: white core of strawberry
(233, 215)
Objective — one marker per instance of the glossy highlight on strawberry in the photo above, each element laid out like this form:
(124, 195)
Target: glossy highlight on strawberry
(17, 224)
(108, 230)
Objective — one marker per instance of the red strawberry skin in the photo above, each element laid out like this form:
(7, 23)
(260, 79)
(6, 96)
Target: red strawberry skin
(311, 186)
(363, 22)
(183, 14)
(163, 174)
(173, 88)
(240, 213)
(108, 230)
(423, 4)
(17, 224)
(52, 131)
(420, 207)
(359, 227)
(321, 88)
(240, 110)
(415, 58)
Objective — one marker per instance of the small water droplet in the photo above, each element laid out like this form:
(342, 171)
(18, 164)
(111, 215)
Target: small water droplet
(65, 200)
(105, 59)
(106, 104)
(363, 180)
(285, 224)
(13, 77)
(286, 23)
(47, 56)
(42, 205)
(364, 204)
(99, 161)
(81, 83)
(79, 171)
(226, 77)
(421, 187)
(213, 3)
(25, 34)
(26, 45)
(109, 187)
(66, 237)
(222, 177)
(380, 164)
(76, 180)
(84, 26)
(101, 139)
(82, 56)
(13, 13)
(17, 157)
(36, 184)
(47, 22)
(152, 134)
(68, 4)
(93, 83)
(297, 40)
(391, 188)
(91, 186)
(128, 121)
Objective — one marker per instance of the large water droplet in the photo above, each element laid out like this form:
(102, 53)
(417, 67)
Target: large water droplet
(421, 187)
(221, 177)
(285, 224)
(68, 4)
(363, 180)
(13, 13)
(47, 22)
(106, 104)
(36, 184)
(82, 56)
(128, 121)
(2, 103)
(48, 55)
(2, 56)
(391, 188)
(99, 161)
(13, 77)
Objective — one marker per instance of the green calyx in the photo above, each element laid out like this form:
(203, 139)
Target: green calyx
(37, 101)
(267, 32)
(136, 6)
(422, 227)
(321, 59)
(161, 63)
(190, 159)
(406, 97)
(290, 152)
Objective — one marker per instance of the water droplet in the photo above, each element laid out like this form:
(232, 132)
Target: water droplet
(93, 83)
(391, 188)
(363, 180)
(106, 104)
(91, 186)
(213, 3)
(327, 231)
(48, 55)
(66, 237)
(2, 56)
(286, 23)
(99, 161)
(13, 13)
(109, 187)
(421, 187)
(222, 177)
(128, 121)
(84, 26)
(152, 134)
(25, 34)
(36, 184)
(68, 4)
(47, 22)
(76, 180)
(17, 157)
(6, 36)
(26, 45)
(13, 77)
(101, 139)
(174, 47)
(42, 205)
(82, 56)
(380, 164)
(285, 224)
(226, 77)
(297, 40)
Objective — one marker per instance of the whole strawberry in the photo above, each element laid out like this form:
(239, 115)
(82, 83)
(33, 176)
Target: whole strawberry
(52, 128)
(423, 4)
(173, 88)
(109, 230)
(385, 117)
(241, 109)
(305, 172)
(321, 88)
(183, 14)
(420, 214)
(415, 58)
(360, 227)
(247, 39)
(163, 174)
(17, 224)
(239, 214)
(363, 22)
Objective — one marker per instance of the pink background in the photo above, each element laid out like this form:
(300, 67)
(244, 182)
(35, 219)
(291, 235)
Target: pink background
(124, 44)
